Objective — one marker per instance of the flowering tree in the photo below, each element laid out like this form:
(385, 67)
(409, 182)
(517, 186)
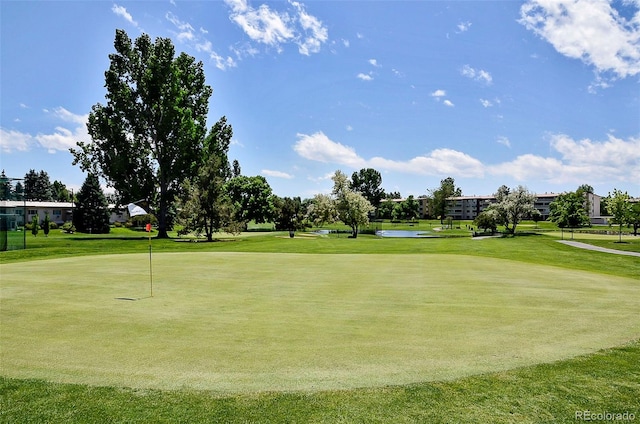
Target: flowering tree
(512, 206)
(352, 207)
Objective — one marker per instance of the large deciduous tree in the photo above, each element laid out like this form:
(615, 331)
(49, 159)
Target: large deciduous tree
(568, 211)
(408, 209)
(618, 205)
(91, 214)
(512, 206)
(59, 192)
(289, 214)
(368, 182)
(634, 217)
(440, 195)
(251, 198)
(148, 136)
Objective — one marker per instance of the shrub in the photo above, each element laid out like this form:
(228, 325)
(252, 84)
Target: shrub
(68, 227)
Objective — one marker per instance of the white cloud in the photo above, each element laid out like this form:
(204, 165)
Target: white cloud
(437, 162)
(527, 167)
(592, 31)
(397, 73)
(187, 34)
(67, 116)
(274, 28)
(438, 94)
(349, 128)
(614, 152)
(486, 103)
(11, 141)
(315, 34)
(374, 62)
(122, 11)
(581, 161)
(464, 26)
(504, 141)
(320, 148)
(476, 74)
(364, 77)
(62, 138)
(606, 161)
(221, 62)
(276, 174)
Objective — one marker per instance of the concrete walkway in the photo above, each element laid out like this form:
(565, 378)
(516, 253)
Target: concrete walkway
(598, 248)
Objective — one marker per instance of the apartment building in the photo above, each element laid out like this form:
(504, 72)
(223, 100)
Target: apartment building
(469, 207)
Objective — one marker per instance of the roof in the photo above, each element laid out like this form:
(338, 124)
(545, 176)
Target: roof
(34, 204)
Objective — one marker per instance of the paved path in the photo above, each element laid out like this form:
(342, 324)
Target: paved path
(598, 248)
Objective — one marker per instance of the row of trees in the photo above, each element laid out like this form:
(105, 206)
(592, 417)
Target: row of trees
(35, 186)
(150, 141)
(568, 210)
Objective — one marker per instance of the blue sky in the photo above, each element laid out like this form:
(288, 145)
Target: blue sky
(540, 93)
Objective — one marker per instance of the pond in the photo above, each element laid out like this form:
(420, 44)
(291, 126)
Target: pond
(403, 233)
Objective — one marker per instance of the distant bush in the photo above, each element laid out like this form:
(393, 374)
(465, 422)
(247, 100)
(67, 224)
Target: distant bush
(68, 227)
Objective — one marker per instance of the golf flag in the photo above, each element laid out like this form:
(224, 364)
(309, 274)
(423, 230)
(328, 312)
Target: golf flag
(148, 227)
(135, 210)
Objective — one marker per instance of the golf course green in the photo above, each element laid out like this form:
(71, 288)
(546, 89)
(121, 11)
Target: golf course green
(244, 322)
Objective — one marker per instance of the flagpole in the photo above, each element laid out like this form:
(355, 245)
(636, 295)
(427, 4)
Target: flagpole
(135, 210)
(150, 267)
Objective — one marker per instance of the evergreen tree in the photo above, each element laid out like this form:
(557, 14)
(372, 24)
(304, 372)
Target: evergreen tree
(91, 214)
(5, 187)
(34, 226)
(18, 192)
(205, 206)
(37, 186)
(46, 225)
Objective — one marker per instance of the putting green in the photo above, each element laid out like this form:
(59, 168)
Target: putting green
(242, 322)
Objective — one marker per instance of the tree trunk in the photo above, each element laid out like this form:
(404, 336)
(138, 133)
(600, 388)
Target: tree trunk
(162, 212)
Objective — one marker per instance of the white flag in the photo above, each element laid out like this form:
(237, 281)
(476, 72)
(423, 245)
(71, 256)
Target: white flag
(135, 210)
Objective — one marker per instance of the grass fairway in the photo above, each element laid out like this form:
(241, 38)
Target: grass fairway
(245, 322)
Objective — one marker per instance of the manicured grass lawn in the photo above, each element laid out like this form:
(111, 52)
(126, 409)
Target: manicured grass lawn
(398, 318)
(244, 322)
(606, 381)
